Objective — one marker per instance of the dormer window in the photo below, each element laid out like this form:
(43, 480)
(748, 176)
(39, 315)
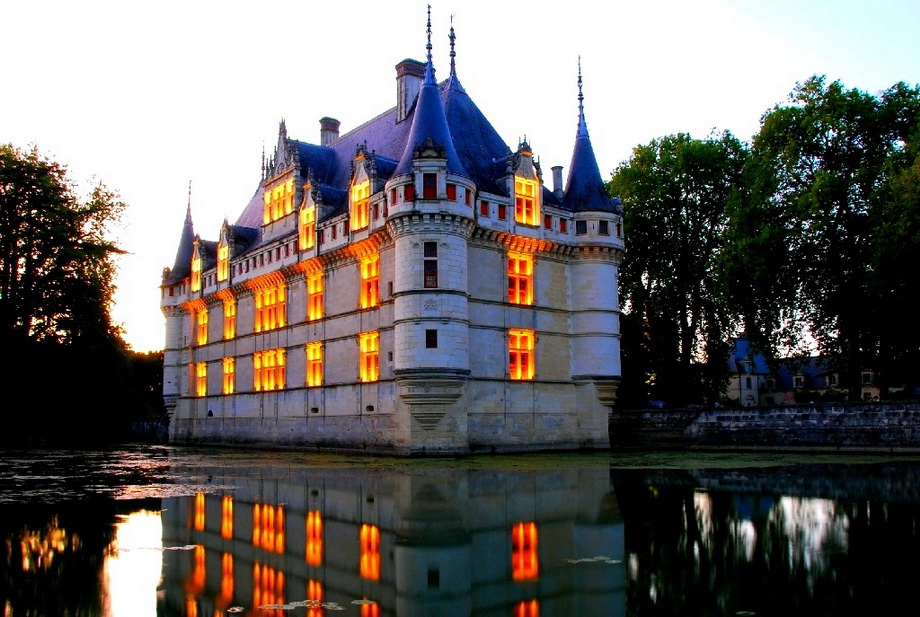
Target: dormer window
(223, 261)
(360, 198)
(278, 201)
(196, 270)
(307, 232)
(525, 201)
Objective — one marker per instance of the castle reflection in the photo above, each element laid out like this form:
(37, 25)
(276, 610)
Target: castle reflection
(397, 542)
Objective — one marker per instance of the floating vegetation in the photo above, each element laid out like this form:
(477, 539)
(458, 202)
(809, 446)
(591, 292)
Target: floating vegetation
(365, 601)
(235, 609)
(311, 604)
(598, 559)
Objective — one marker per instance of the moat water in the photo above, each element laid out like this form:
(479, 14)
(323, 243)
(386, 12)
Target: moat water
(147, 530)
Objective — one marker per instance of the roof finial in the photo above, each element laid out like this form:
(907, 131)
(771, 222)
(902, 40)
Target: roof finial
(582, 125)
(428, 46)
(429, 66)
(453, 54)
(189, 207)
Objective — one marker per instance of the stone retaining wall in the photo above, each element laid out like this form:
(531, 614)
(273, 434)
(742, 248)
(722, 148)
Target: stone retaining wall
(888, 426)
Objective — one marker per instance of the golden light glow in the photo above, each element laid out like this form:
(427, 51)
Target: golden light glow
(520, 354)
(520, 278)
(226, 517)
(40, 548)
(370, 552)
(315, 595)
(196, 271)
(525, 201)
(198, 521)
(307, 231)
(223, 262)
(314, 548)
(229, 318)
(201, 379)
(370, 610)
(277, 201)
(527, 608)
(267, 588)
(360, 198)
(315, 285)
(268, 370)
(201, 325)
(197, 580)
(524, 558)
(314, 364)
(226, 580)
(271, 307)
(370, 356)
(370, 281)
(268, 528)
(229, 384)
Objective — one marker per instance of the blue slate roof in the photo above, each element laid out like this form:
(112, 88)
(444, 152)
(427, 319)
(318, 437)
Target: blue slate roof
(182, 267)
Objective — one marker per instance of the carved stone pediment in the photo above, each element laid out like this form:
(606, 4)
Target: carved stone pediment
(429, 149)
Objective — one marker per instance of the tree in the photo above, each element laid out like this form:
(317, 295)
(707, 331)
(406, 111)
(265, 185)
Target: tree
(675, 191)
(830, 180)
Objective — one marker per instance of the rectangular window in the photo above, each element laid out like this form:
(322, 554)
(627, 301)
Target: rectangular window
(307, 231)
(201, 379)
(581, 228)
(268, 370)
(410, 192)
(502, 212)
(229, 319)
(603, 228)
(547, 221)
(226, 518)
(467, 196)
(524, 556)
(429, 186)
(520, 278)
(521, 354)
(370, 552)
(798, 381)
(483, 208)
(393, 197)
(370, 281)
(431, 339)
(314, 364)
(525, 201)
(314, 549)
(334, 231)
(452, 192)
(431, 264)
(229, 375)
(563, 226)
(370, 356)
(201, 325)
(315, 285)
(375, 211)
(271, 310)
(223, 262)
(196, 272)
(277, 201)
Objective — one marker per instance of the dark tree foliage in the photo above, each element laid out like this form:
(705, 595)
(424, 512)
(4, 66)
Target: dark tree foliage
(57, 266)
(826, 236)
(675, 191)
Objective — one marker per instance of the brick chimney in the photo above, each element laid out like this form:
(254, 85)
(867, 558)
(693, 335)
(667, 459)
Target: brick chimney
(557, 181)
(328, 130)
(409, 76)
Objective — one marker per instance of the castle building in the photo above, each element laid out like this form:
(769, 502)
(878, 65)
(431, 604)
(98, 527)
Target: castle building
(408, 287)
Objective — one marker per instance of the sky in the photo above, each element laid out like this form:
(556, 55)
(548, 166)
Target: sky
(149, 97)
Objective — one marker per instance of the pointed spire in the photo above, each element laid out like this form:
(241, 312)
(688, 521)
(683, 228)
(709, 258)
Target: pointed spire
(429, 65)
(585, 189)
(182, 267)
(453, 83)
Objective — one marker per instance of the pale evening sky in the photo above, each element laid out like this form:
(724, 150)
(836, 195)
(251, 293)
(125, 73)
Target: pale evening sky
(149, 96)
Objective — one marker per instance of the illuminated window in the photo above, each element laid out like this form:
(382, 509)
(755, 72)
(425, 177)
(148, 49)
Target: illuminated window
(527, 608)
(370, 552)
(201, 379)
(268, 370)
(524, 558)
(229, 318)
(360, 198)
(229, 375)
(520, 354)
(315, 297)
(431, 264)
(277, 201)
(270, 308)
(370, 356)
(226, 579)
(314, 549)
(314, 364)
(315, 596)
(267, 587)
(196, 272)
(525, 201)
(520, 278)
(429, 186)
(370, 281)
(223, 262)
(226, 517)
(198, 521)
(268, 528)
(201, 325)
(307, 232)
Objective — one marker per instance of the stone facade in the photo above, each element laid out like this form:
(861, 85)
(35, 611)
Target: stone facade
(410, 287)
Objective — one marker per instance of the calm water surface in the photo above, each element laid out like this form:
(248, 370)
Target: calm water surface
(162, 531)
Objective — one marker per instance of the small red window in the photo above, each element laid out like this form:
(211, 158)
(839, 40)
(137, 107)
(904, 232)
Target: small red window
(547, 221)
(410, 193)
(484, 208)
(502, 212)
(452, 192)
(430, 186)
(563, 226)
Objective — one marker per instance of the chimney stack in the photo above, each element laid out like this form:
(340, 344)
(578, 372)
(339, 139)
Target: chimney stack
(328, 130)
(557, 181)
(409, 76)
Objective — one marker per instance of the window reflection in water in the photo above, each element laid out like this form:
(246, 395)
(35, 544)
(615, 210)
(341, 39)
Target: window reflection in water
(525, 563)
